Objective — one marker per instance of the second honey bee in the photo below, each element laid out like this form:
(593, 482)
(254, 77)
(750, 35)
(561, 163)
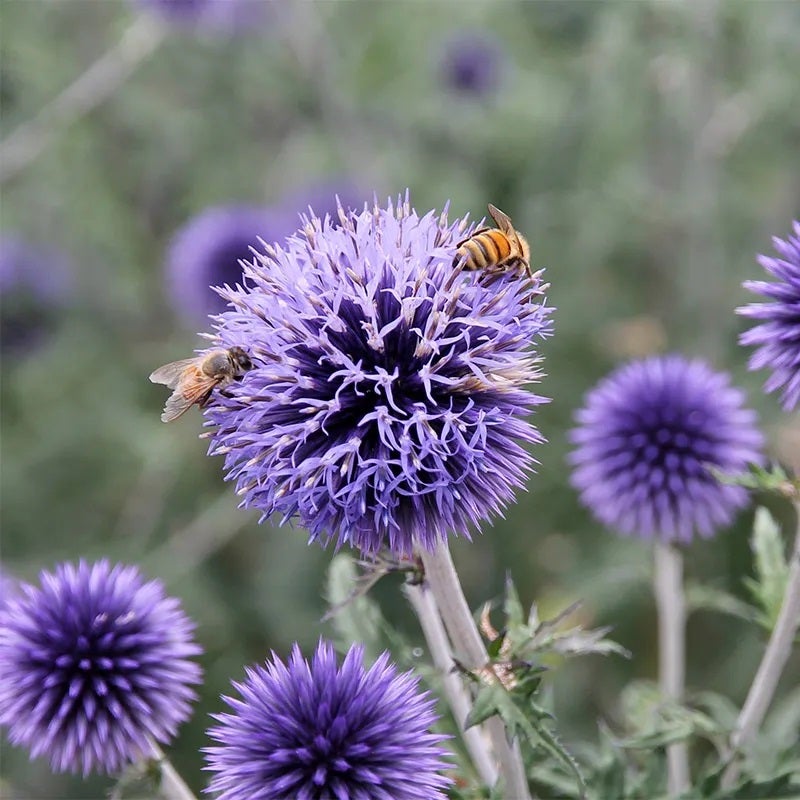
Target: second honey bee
(193, 379)
(495, 250)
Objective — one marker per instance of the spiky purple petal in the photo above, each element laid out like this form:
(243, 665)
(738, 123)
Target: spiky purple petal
(94, 663)
(646, 436)
(317, 732)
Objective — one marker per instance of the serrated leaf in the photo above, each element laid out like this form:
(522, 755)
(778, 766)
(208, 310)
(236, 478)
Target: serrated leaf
(512, 606)
(770, 566)
(783, 787)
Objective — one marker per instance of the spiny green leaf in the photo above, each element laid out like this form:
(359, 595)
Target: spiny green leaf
(771, 569)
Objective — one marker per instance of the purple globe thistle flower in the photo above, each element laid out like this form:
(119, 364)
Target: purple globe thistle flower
(471, 64)
(317, 732)
(207, 252)
(221, 16)
(386, 406)
(322, 198)
(777, 336)
(646, 436)
(94, 663)
(34, 287)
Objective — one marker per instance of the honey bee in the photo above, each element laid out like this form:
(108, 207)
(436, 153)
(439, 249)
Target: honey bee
(193, 379)
(496, 250)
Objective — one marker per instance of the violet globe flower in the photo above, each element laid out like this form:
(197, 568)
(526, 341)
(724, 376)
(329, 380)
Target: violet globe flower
(386, 406)
(207, 252)
(776, 337)
(320, 732)
(94, 664)
(646, 437)
(471, 64)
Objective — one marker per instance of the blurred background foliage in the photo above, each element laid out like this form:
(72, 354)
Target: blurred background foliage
(647, 149)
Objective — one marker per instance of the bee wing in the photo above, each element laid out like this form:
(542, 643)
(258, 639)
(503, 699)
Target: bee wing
(186, 395)
(171, 373)
(503, 220)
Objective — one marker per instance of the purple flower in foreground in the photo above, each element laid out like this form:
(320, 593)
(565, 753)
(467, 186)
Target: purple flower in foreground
(777, 336)
(385, 406)
(207, 252)
(472, 63)
(320, 732)
(94, 663)
(645, 439)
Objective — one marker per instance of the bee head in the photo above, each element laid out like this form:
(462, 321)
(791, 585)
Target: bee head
(240, 359)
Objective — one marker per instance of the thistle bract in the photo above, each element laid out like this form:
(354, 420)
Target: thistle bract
(94, 663)
(776, 337)
(316, 731)
(386, 406)
(645, 440)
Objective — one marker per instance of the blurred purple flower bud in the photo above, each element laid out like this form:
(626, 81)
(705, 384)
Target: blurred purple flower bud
(472, 63)
(220, 16)
(645, 438)
(777, 336)
(207, 250)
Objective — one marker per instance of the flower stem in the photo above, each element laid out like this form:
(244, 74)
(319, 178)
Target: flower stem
(772, 663)
(441, 576)
(424, 605)
(668, 590)
(172, 786)
(88, 91)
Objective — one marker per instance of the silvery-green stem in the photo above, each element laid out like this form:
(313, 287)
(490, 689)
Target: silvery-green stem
(424, 605)
(668, 590)
(441, 576)
(772, 663)
(171, 786)
(88, 91)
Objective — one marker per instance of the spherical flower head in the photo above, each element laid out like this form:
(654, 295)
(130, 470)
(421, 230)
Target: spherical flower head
(208, 250)
(777, 336)
(321, 732)
(386, 405)
(471, 63)
(35, 284)
(646, 437)
(94, 663)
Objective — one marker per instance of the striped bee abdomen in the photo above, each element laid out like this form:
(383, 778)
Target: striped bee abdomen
(489, 248)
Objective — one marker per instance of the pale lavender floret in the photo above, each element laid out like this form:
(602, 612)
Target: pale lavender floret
(318, 731)
(777, 336)
(386, 406)
(94, 663)
(645, 439)
(207, 251)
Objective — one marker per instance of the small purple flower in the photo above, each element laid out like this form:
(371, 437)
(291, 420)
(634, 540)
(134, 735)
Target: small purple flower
(221, 16)
(34, 286)
(471, 63)
(386, 405)
(94, 663)
(645, 438)
(207, 252)
(320, 732)
(777, 336)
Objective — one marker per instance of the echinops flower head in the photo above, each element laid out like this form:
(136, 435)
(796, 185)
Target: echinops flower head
(317, 731)
(94, 665)
(646, 437)
(776, 337)
(207, 250)
(387, 405)
(472, 63)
